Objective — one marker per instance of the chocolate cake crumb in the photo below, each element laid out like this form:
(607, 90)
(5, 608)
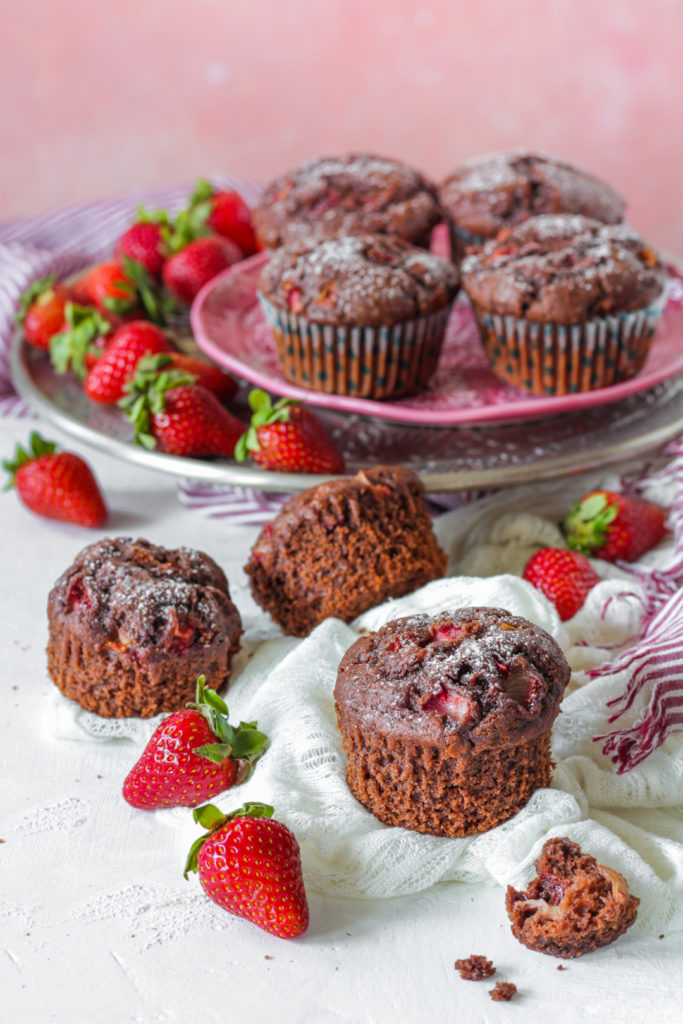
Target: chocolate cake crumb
(475, 968)
(573, 906)
(561, 967)
(503, 991)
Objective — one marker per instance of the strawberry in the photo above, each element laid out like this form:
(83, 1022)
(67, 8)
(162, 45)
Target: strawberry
(41, 311)
(108, 288)
(177, 416)
(143, 242)
(126, 289)
(193, 755)
(565, 577)
(106, 381)
(190, 269)
(57, 485)
(226, 213)
(288, 438)
(250, 865)
(81, 340)
(612, 526)
(210, 376)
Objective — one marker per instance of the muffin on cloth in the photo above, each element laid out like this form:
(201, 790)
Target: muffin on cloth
(573, 906)
(565, 303)
(347, 195)
(343, 547)
(132, 625)
(501, 190)
(446, 720)
(362, 315)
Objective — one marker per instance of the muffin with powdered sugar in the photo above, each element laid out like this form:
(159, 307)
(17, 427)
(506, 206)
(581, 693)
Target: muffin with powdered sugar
(565, 303)
(132, 625)
(361, 315)
(446, 720)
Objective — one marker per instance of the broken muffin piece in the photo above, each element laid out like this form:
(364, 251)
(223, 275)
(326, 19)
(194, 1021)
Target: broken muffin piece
(573, 906)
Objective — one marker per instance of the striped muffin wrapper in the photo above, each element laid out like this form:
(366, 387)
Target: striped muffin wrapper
(361, 362)
(563, 359)
(461, 240)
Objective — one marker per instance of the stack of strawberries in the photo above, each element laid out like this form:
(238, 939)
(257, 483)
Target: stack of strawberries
(108, 328)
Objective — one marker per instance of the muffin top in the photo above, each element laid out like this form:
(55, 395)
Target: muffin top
(477, 678)
(132, 592)
(504, 189)
(565, 269)
(366, 280)
(347, 195)
(344, 497)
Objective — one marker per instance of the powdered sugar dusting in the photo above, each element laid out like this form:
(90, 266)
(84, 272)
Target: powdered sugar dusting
(501, 189)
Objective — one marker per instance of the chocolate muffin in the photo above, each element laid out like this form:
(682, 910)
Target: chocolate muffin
(573, 906)
(132, 625)
(446, 721)
(343, 547)
(360, 315)
(347, 195)
(500, 190)
(565, 303)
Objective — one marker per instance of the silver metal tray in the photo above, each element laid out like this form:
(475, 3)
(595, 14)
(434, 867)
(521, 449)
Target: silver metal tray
(447, 459)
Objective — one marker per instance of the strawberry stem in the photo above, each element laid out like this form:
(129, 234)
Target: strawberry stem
(37, 446)
(243, 743)
(69, 348)
(211, 818)
(146, 394)
(33, 292)
(264, 413)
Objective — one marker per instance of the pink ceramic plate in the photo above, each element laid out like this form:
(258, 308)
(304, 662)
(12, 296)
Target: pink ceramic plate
(230, 328)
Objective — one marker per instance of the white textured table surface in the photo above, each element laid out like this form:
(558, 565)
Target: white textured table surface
(97, 923)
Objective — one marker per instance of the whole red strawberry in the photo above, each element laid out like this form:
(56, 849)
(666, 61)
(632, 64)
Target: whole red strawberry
(288, 438)
(177, 416)
(41, 311)
(193, 755)
(250, 865)
(107, 379)
(612, 526)
(143, 243)
(186, 273)
(226, 213)
(565, 577)
(108, 287)
(210, 376)
(56, 485)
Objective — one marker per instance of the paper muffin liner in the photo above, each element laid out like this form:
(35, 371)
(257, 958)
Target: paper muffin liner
(562, 359)
(361, 362)
(461, 240)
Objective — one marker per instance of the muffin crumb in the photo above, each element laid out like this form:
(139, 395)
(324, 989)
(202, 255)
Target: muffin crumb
(475, 968)
(503, 991)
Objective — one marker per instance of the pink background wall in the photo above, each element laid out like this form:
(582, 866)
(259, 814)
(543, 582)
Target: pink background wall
(101, 97)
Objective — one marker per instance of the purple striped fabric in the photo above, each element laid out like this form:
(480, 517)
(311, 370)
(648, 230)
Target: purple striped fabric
(655, 662)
